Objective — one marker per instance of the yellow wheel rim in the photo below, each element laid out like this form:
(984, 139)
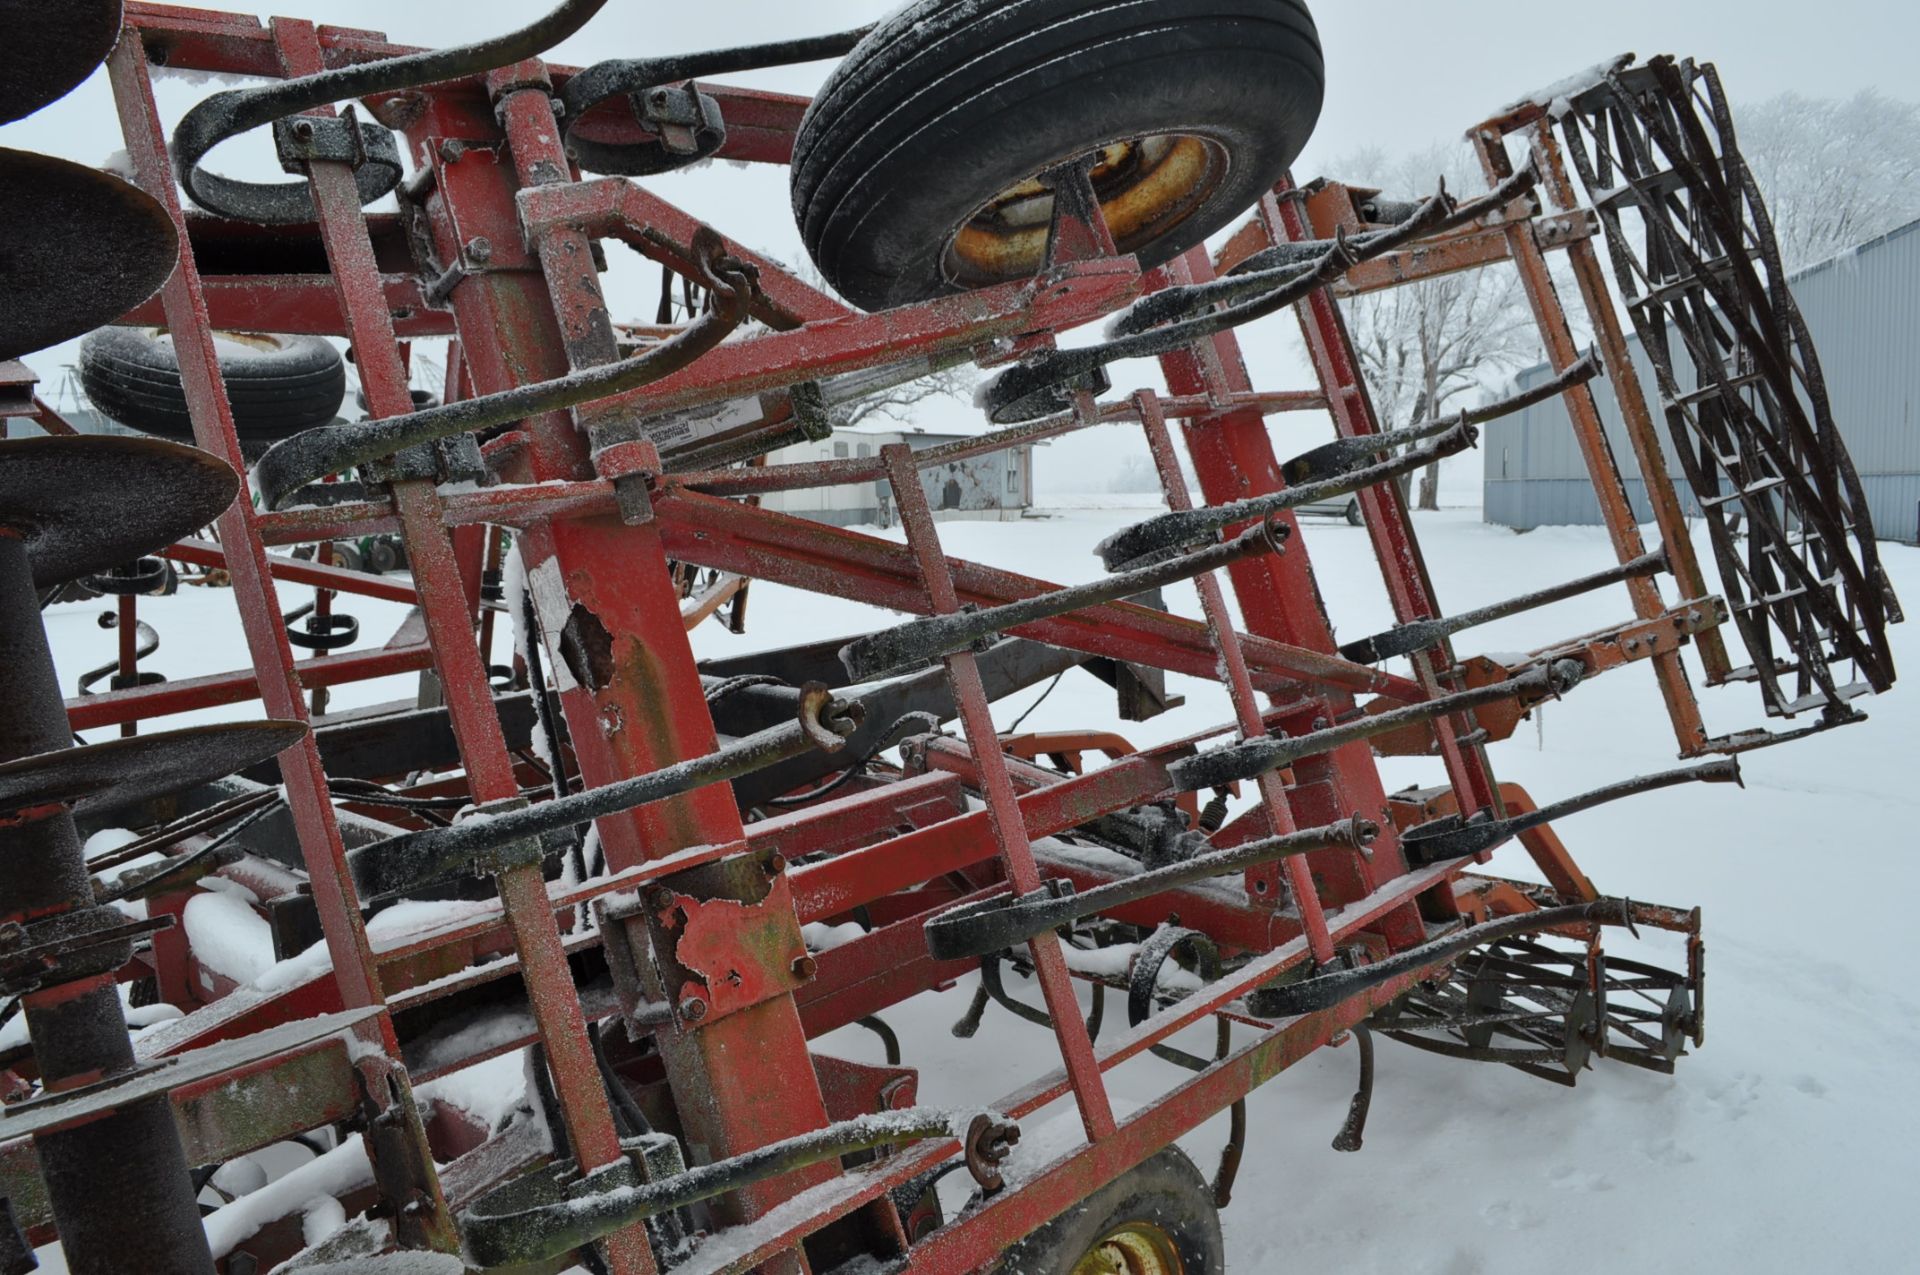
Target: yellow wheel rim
(1135, 1248)
(1146, 186)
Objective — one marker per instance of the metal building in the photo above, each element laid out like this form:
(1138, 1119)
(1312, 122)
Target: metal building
(991, 488)
(1864, 310)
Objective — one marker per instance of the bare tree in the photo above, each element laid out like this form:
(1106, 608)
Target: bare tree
(1836, 173)
(1425, 344)
(897, 404)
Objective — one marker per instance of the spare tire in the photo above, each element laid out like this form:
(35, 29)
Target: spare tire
(278, 385)
(915, 171)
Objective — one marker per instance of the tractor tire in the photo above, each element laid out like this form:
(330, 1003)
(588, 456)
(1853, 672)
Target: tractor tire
(278, 385)
(422, 400)
(1158, 1218)
(914, 169)
(382, 556)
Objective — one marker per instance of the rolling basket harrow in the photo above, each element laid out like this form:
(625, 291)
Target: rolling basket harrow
(637, 838)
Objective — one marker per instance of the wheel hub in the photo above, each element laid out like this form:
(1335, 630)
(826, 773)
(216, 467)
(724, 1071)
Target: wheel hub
(1146, 186)
(1135, 1248)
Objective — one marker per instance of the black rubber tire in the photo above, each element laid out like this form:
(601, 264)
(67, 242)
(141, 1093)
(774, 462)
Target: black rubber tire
(1355, 518)
(422, 399)
(293, 384)
(1165, 1190)
(950, 102)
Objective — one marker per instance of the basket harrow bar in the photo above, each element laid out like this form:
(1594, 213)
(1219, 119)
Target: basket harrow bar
(1755, 431)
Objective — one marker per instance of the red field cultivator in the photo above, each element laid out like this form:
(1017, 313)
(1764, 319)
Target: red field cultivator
(616, 847)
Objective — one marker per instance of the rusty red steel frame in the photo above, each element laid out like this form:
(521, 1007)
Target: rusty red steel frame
(688, 888)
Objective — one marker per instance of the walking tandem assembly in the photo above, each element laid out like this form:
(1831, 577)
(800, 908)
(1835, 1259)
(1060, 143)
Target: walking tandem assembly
(612, 856)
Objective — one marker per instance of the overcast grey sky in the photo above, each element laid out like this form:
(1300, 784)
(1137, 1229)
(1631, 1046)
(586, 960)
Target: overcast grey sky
(1417, 70)
(1402, 74)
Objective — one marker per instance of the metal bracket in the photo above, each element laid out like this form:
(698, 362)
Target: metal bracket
(632, 467)
(342, 139)
(525, 852)
(687, 120)
(444, 460)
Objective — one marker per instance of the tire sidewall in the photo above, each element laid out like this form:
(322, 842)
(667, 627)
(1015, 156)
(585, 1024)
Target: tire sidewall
(898, 150)
(132, 377)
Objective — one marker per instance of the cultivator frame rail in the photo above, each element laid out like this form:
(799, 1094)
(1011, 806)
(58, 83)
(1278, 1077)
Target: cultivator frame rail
(689, 933)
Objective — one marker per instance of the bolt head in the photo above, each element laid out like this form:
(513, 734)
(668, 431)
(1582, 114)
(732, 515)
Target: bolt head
(693, 1009)
(659, 898)
(805, 967)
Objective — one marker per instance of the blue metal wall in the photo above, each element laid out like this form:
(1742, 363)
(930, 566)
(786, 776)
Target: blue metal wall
(1864, 311)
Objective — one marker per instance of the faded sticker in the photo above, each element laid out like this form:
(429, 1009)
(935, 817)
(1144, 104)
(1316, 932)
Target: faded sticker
(678, 429)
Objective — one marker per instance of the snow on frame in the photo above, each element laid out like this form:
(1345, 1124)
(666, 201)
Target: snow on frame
(1785, 1144)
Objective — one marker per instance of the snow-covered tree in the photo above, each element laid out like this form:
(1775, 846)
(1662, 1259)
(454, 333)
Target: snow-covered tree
(1424, 345)
(1835, 173)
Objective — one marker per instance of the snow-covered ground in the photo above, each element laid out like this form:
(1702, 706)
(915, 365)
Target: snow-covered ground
(1791, 1143)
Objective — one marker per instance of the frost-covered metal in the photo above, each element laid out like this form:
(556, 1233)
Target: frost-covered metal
(662, 881)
